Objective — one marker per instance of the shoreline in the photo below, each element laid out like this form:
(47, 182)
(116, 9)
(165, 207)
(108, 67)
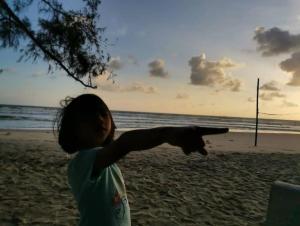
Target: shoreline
(159, 113)
(125, 130)
(232, 142)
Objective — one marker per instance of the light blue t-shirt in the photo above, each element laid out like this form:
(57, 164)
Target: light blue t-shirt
(101, 199)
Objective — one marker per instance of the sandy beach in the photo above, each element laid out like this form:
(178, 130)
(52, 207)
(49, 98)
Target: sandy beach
(165, 187)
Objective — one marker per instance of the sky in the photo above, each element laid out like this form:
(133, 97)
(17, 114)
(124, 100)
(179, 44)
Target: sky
(181, 56)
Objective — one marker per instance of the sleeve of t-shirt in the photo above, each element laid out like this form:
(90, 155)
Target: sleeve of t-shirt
(81, 168)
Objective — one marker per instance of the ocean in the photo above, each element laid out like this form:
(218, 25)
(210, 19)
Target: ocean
(41, 118)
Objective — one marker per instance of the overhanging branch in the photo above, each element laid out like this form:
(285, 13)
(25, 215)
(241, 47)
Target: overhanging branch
(30, 34)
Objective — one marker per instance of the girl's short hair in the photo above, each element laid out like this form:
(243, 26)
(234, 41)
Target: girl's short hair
(84, 108)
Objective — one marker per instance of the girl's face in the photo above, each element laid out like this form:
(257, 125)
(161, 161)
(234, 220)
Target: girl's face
(95, 134)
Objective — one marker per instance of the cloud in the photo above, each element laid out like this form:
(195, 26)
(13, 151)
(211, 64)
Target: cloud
(233, 84)
(288, 104)
(292, 65)
(133, 87)
(110, 87)
(157, 68)
(251, 99)
(226, 63)
(210, 73)
(271, 91)
(140, 87)
(275, 41)
(271, 95)
(182, 96)
(115, 63)
(270, 86)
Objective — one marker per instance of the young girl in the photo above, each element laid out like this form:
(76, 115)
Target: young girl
(86, 127)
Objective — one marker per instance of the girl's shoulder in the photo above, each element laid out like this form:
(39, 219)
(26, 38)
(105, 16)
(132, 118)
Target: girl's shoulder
(83, 157)
(87, 153)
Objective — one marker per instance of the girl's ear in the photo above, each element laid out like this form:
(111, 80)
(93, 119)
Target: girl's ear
(98, 126)
(110, 137)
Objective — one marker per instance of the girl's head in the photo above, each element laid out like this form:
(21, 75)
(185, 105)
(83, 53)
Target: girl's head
(84, 122)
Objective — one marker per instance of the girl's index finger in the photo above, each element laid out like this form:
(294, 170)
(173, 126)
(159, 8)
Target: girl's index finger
(211, 130)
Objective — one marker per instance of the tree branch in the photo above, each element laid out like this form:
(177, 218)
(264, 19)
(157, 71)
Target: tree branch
(30, 34)
(53, 8)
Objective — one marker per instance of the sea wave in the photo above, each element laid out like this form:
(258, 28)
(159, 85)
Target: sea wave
(22, 117)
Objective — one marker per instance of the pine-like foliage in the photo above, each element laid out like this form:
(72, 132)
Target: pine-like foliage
(70, 40)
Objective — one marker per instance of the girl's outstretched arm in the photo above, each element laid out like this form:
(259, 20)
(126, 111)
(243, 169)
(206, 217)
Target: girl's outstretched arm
(189, 139)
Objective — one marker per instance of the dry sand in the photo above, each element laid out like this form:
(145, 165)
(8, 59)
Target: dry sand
(165, 187)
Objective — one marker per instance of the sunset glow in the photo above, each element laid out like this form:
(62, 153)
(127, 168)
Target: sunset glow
(190, 57)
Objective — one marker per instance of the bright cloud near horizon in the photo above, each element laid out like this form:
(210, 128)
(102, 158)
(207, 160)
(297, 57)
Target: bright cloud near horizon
(174, 56)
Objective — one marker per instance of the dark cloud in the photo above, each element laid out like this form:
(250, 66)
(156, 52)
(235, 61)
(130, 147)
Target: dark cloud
(270, 86)
(292, 65)
(269, 96)
(210, 73)
(157, 69)
(275, 41)
(271, 91)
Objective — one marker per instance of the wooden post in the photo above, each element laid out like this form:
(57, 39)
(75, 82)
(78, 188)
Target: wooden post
(257, 111)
